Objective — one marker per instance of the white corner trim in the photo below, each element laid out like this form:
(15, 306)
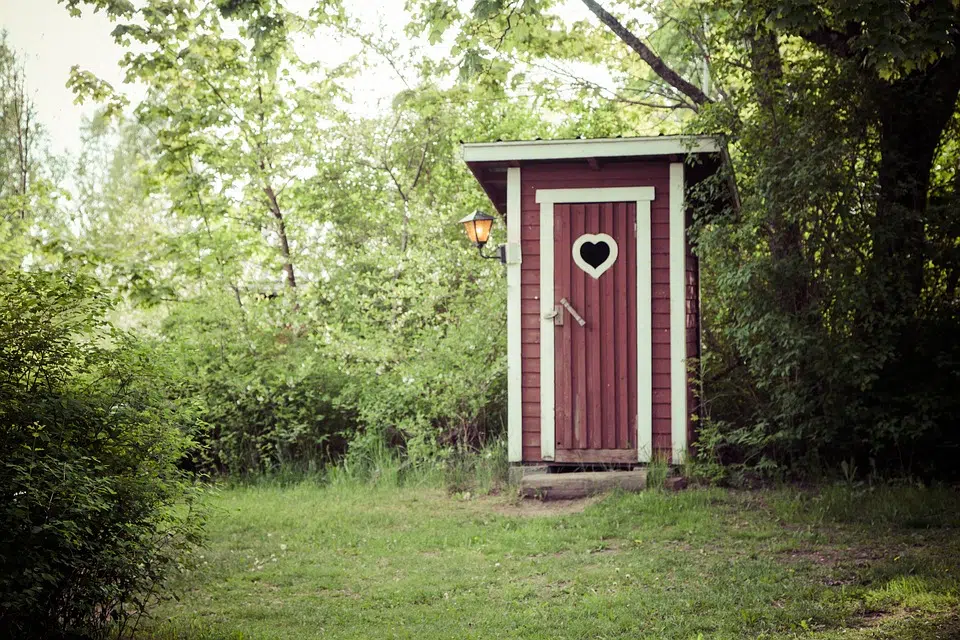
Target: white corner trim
(599, 148)
(644, 333)
(678, 315)
(514, 313)
(601, 194)
(547, 372)
(594, 238)
(642, 196)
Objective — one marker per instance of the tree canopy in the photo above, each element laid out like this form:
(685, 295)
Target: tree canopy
(249, 270)
(297, 256)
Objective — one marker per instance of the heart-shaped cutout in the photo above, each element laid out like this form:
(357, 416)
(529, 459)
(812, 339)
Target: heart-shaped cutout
(595, 253)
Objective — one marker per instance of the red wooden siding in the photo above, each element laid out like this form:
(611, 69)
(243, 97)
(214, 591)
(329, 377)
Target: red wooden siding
(573, 176)
(660, 286)
(596, 404)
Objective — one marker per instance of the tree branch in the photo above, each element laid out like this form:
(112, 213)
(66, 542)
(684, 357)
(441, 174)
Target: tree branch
(836, 42)
(423, 161)
(656, 63)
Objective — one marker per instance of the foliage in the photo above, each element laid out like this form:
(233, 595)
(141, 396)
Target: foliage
(264, 394)
(95, 513)
(829, 282)
(420, 347)
(27, 193)
(267, 223)
(832, 326)
(344, 307)
(413, 319)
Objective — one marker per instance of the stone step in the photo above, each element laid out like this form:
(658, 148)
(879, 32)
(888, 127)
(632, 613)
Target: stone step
(569, 486)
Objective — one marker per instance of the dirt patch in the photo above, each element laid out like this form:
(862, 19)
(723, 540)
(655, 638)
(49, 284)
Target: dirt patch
(832, 556)
(843, 566)
(875, 619)
(541, 509)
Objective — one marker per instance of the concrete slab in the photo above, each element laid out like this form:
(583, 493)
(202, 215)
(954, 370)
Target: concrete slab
(568, 486)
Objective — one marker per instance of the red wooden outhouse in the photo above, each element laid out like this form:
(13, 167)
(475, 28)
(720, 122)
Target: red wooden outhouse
(603, 308)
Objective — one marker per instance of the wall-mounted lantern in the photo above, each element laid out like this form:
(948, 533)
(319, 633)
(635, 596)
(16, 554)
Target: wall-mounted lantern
(478, 225)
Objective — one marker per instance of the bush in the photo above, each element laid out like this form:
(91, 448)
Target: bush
(263, 390)
(419, 341)
(818, 349)
(94, 511)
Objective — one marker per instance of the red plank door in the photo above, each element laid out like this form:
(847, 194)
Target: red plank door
(595, 377)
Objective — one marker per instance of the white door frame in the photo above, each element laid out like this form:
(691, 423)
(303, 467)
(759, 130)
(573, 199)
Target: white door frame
(642, 196)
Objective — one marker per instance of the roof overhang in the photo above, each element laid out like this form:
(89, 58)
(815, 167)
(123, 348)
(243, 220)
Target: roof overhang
(577, 149)
(489, 161)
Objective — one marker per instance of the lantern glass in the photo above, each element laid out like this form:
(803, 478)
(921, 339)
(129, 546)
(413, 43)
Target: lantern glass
(478, 225)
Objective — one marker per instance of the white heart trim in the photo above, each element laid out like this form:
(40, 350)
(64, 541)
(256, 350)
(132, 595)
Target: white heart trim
(595, 238)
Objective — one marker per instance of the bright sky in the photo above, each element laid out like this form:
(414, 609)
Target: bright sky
(51, 42)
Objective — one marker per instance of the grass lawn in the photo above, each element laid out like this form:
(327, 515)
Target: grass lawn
(365, 562)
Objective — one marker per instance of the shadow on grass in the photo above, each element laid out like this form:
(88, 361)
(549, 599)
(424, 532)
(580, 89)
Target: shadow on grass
(892, 551)
(945, 627)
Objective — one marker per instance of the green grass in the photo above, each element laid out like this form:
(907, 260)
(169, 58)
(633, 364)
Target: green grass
(351, 560)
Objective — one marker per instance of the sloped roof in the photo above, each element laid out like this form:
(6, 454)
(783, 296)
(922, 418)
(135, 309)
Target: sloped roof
(489, 160)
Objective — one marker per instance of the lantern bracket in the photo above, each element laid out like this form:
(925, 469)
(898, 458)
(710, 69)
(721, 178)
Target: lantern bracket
(500, 253)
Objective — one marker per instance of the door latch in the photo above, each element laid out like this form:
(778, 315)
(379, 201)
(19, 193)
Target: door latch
(573, 312)
(556, 315)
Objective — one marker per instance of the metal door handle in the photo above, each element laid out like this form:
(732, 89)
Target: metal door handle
(573, 312)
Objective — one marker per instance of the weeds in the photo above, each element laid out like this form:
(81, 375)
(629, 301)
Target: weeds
(486, 471)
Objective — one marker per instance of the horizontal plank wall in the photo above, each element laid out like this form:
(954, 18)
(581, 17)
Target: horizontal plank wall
(575, 175)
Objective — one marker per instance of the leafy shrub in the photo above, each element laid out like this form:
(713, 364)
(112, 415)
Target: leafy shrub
(816, 350)
(264, 392)
(94, 512)
(420, 344)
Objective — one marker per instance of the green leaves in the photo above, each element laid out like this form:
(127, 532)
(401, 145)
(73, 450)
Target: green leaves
(472, 65)
(487, 9)
(99, 513)
(114, 8)
(86, 86)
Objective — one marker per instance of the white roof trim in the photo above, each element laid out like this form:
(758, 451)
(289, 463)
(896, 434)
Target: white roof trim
(601, 148)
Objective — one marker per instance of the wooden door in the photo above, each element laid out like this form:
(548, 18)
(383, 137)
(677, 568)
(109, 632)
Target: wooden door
(595, 379)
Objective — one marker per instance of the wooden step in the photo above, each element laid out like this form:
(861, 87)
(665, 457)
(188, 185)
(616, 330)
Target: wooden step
(569, 486)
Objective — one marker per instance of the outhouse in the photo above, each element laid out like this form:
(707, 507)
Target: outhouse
(603, 308)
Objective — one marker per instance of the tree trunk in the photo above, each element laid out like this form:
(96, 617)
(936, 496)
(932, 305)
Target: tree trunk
(913, 114)
(785, 239)
(273, 202)
(282, 232)
(405, 239)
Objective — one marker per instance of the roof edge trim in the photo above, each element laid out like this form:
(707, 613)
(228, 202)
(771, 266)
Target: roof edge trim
(596, 148)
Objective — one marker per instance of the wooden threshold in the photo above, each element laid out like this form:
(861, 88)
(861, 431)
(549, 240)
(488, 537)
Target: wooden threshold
(596, 456)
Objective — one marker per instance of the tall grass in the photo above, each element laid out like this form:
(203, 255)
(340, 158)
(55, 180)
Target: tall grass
(478, 472)
(904, 506)
(485, 471)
